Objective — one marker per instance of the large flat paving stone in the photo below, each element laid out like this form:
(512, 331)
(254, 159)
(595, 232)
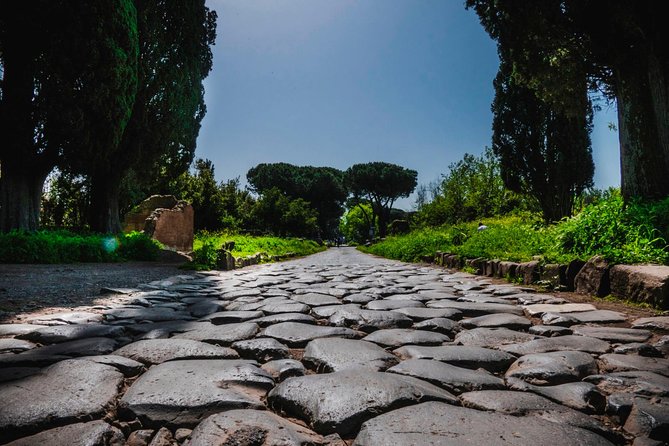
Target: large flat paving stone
(526, 403)
(316, 300)
(421, 314)
(181, 393)
(474, 309)
(252, 427)
(587, 317)
(434, 423)
(492, 337)
(397, 337)
(460, 356)
(637, 382)
(553, 368)
(298, 335)
(219, 334)
(652, 323)
(619, 363)
(64, 333)
(156, 351)
(49, 354)
(93, 433)
(559, 343)
(341, 401)
(18, 329)
(334, 355)
(65, 392)
(70, 317)
(154, 314)
(612, 334)
(452, 378)
(284, 317)
(370, 320)
(539, 309)
(261, 349)
(498, 320)
(13, 345)
(231, 317)
(583, 396)
(439, 325)
(389, 304)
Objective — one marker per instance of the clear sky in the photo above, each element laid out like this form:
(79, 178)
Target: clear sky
(340, 82)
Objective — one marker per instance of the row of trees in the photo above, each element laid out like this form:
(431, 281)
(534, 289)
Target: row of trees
(552, 54)
(103, 91)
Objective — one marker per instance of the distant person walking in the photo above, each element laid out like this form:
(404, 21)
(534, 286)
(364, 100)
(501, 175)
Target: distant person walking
(481, 227)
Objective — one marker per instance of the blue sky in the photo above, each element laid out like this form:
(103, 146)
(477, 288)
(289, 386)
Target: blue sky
(340, 82)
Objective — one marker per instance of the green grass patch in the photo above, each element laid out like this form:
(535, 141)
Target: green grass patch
(69, 247)
(207, 244)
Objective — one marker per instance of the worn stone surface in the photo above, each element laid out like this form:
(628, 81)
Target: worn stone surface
(442, 424)
(334, 355)
(250, 427)
(492, 337)
(652, 323)
(452, 378)
(440, 325)
(612, 334)
(298, 335)
(560, 343)
(593, 278)
(261, 349)
(500, 320)
(181, 393)
(396, 337)
(582, 396)
(340, 402)
(281, 369)
(461, 356)
(619, 363)
(641, 283)
(155, 351)
(539, 309)
(553, 368)
(66, 392)
(370, 320)
(220, 334)
(79, 434)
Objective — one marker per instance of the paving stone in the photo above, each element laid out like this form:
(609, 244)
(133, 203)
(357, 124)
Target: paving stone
(181, 393)
(156, 351)
(619, 363)
(129, 367)
(358, 298)
(328, 310)
(421, 314)
(220, 334)
(553, 368)
(252, 427)
(558, 319)
(567, 342)
(550, 330)
(460, 356)
(613, 334)
(73, 317)
(583, 396)
(396, 337)
(79, 434)
(525, 403)
(231, 317)
(292, 307)
(491, 337)
(12, 373)
(335, 355)
(298, 335)
(280, 369)
(370, 320)
(385, 304)
(638, 348)
(147, 314)
(440, 325)
(499, 320)
(335, 292)
(652, 323)
(633, 382)
(261, 349)
(539, 309)
(532, 299)
(284, 317)
(649, 418)
(484, 299)
(12, 345)
(442, 424)
(473, 309)
(18, 329)
(49, 354)
(206, 307)
(65, 392)
(316, 300)
(341, 401)
(63, 333)
(597, 317)
(452, 378)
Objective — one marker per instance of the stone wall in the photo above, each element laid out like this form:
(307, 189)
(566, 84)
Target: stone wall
(164, 218)
(136, 218)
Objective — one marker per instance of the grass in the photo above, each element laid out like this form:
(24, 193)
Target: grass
(629, 234)
(69, 247)
(206, 245)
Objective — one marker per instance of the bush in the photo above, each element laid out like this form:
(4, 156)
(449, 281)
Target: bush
(137, 246)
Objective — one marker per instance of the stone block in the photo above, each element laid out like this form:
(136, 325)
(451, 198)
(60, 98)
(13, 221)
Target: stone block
(641, 283)
(136, 218)
(572, 270)
(593, 278)
(164, 218)
(507, 269)
(554, 275)
(529, 271)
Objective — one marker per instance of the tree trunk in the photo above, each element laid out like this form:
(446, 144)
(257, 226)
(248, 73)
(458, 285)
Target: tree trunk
(643, 161)
(20, 197)
(104, 212)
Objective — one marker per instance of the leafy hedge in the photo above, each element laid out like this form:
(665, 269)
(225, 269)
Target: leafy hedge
(69, 247)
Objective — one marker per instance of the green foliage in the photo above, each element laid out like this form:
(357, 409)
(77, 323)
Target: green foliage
(472, 189)
(635, 233)
(206, 247)
(137, 246)
(355, 224)
(622, 234)
(277, 214)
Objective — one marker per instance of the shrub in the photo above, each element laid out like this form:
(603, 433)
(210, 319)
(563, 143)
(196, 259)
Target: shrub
(137, 246)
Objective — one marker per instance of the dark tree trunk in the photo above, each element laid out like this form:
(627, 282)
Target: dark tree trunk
(104, 211)
(20, 197)
(644, 160)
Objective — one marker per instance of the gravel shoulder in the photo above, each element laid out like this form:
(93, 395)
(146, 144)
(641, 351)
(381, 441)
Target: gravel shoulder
(36, 288)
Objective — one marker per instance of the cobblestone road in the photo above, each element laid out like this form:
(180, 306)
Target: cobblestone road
(338, 348)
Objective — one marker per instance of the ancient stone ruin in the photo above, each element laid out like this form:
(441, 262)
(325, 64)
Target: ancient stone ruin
(163, 218)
